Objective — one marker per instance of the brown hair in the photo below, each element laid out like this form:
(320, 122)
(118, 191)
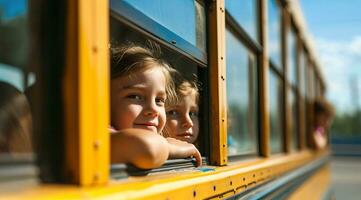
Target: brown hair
(15, 121)
(322, 106)
(131, 58)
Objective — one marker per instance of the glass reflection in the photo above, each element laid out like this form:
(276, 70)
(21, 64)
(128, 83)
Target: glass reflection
(294, 120)
(185, 18)
(311, 83)
(15, 121)
(303, 73)
(241, 97)
(15, 115)
(274, 31)
(292, 54)
(245, 13)
(276, 112)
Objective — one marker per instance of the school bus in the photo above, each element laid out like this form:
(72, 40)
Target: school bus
(259, 75)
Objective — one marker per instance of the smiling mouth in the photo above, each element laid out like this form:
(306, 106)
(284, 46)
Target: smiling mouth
(185, 135)
(147, 126)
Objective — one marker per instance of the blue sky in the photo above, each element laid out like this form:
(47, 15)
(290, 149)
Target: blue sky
(335, 27)
(12, 8)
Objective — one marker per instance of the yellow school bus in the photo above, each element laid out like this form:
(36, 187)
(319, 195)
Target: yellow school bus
(259, 75)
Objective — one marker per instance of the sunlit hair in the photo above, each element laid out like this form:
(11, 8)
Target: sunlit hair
(15, 121)
(130, 58)
(183, 87)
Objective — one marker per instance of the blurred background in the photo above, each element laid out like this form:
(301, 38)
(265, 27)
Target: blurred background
(335, 27)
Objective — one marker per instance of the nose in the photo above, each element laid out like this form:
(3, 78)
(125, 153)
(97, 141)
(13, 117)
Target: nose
(151, 109)
(187, 122)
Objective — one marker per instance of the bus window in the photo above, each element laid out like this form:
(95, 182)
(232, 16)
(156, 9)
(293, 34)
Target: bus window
(294, 143)
(302, 89)
(274, 33)
(292, 80)
(246, 14)
(190, 66)
(311, 81)
(303, 72)
(292, 54)
(241, 97)
(180, 23)
(276, 112)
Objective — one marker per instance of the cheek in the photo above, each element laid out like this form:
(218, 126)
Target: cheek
(195, 126)
(162, 119)
(172, 124)
(171, 127)
(125, 115)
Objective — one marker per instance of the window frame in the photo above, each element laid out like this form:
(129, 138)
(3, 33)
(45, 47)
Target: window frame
(86, 91)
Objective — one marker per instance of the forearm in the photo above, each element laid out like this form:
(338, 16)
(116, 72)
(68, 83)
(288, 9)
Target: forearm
(141, 148)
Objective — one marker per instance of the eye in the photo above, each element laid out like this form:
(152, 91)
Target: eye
(134, 96)
(160, 101)
(193, 114)
(172, 113)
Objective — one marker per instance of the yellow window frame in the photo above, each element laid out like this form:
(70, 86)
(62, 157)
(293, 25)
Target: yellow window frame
(86, 93)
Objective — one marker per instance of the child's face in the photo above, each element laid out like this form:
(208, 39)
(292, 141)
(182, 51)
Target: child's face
(323, 120)
(138, 102)
(182, 120)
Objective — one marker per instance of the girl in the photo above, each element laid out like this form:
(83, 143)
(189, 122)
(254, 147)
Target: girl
(324, 113)
(140, 86)
(182, 114)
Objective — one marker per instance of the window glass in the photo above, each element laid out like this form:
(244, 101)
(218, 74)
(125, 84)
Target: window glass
(303, 73)
(294, 120)
(276, 112)
(185, 18)
(245, 13)
(318, 88)
(292, 54)
(274, 31)
(311, 82)
(241, 97)
(15, 79)
(302, 89)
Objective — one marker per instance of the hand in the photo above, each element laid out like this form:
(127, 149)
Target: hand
(181, 149)
(112, 130)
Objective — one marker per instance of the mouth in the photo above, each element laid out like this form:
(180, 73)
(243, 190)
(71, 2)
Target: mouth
(146, 125)
(185, 135)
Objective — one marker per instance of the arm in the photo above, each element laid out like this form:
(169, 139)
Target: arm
(320, 138)
(141, 148)
(181, 149)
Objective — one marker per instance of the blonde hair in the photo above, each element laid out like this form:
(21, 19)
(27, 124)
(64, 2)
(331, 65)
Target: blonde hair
(131, 58)
(183, 87)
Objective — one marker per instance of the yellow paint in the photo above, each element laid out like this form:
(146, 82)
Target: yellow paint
(217, 80)
(220, 183)
(264, 82)
(94, 91)
(315, 187)
(86, 93)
